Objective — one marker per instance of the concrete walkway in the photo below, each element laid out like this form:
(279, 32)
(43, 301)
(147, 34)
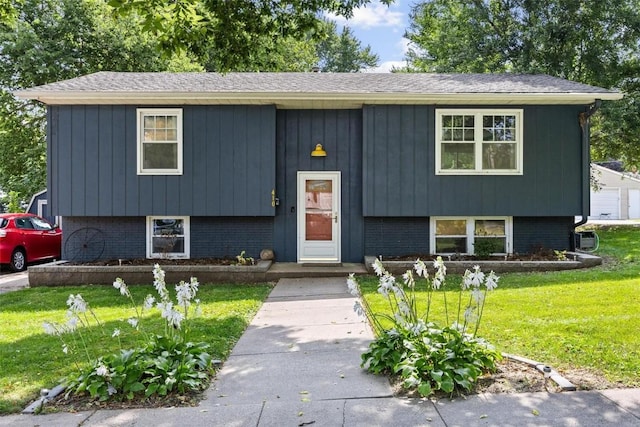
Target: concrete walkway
(298, 365)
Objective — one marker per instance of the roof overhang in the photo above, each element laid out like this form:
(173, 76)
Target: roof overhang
(307, 100)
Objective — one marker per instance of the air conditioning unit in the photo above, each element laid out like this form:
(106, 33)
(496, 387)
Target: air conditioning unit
(586, 241)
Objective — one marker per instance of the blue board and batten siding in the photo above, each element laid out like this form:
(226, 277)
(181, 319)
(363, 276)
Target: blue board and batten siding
(234, 156)
(340, 133)
(399, 168)
(228, 153)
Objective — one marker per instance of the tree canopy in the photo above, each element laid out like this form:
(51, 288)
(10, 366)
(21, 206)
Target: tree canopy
(595, 42)
(234, 32)
(42, 41)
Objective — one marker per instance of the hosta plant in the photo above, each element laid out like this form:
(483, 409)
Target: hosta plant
(159, 365)
(426, 356)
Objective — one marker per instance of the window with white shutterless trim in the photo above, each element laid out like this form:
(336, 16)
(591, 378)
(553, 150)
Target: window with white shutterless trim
(159, 141)
(477, 142)
(168, 237)
(451, 235)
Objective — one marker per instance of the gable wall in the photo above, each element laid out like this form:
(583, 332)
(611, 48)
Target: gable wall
(399, 167)
(229, 163)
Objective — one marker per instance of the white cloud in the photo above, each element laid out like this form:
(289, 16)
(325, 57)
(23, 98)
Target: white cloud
(386, 67)
(372, 15)
(403, 45)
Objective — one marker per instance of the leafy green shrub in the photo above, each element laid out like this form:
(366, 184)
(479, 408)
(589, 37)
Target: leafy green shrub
(484, 248)
(161, 364)
(428, 357)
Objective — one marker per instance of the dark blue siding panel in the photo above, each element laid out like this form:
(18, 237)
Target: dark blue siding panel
(92, 161)
(340, 133)
(210, 237)
(399, 167)
(228, 163)
(105, 203)
(119, 165)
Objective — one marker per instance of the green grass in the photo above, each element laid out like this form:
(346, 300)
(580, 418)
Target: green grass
(586, 318)
(31, 360)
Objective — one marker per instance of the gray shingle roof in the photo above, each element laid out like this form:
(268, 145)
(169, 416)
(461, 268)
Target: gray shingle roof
(269, 86)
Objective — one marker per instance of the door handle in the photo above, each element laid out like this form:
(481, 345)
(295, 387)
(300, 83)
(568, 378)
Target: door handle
(335, 218)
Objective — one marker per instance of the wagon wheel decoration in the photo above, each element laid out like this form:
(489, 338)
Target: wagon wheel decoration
(84, 245)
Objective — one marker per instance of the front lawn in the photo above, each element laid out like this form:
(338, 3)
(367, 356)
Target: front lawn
(586, 319)
(31, 360)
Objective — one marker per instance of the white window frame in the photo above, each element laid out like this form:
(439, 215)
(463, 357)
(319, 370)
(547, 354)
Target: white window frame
(470, 230)
(141, 113)
(169, 255)
(478, 140)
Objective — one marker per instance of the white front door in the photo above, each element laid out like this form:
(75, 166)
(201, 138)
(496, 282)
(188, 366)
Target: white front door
(319, 217)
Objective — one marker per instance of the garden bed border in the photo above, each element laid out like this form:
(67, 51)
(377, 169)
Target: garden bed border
(61, 274)
(574, 260)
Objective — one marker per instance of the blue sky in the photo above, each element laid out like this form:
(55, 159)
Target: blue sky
(382, 28)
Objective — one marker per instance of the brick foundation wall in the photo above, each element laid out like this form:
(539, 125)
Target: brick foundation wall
(107, 238)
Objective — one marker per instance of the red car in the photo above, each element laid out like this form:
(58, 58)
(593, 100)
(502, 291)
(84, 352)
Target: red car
(25, 238)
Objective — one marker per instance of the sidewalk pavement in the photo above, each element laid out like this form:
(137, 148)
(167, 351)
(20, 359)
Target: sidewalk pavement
(298, 365)
(13, 281)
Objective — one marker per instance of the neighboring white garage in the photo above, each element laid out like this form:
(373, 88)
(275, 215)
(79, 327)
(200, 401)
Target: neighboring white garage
(618, 197)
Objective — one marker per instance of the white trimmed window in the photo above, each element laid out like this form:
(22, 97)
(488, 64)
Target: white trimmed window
(451, 235)
(475, 142)
(159, 141)
(168, 237)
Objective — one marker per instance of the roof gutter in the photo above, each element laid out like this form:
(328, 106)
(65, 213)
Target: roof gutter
(355, 99)
(584, 120)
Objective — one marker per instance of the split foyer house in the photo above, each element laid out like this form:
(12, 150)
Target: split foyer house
(319, 167)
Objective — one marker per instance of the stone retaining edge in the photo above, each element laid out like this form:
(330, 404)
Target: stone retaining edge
(575, 260)
(60, 274)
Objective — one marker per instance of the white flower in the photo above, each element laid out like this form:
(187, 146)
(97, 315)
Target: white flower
(76, 303)
(408, 279)
(198, 311)
(133, 322)
(72, 322)
(438, 264)
(122, 287)
(386, 284)
(159, 283)
(102, 371)
(352, 285)
(472, 279)
(173, 317)
(417, 328)
(186, 291)
(420, 268)
(440, 274)
(65, 349)
(491, 281)
(378, 267)
(49, 328)
(116, 333)
(148, 302)
(403, 307)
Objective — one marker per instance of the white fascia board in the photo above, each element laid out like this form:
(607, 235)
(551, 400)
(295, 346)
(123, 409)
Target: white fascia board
(300, 99)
